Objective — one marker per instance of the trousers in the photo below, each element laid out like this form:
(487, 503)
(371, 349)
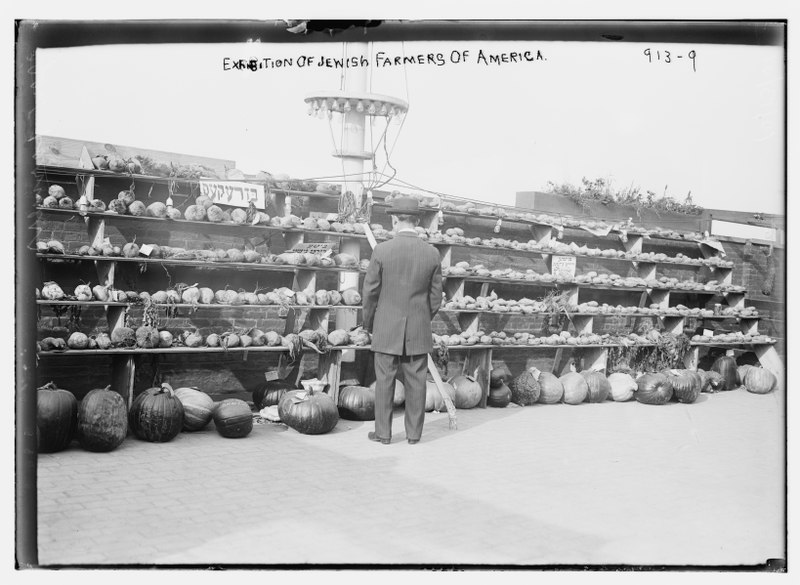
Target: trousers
(413, 370)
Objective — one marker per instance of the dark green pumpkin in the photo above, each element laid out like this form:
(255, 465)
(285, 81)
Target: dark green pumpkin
(357, 403)
(686, 386)
(653, 389)
(271, 393)
(233, 418)
(499, 376)
(725, 366)
(56, 418)
(156, 415)
(308, 412)
(102, 420)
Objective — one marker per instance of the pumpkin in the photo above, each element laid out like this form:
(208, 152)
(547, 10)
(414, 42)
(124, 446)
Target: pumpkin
(499, 376)
(525, 388)
(725, 366)
(760, 381)
(653, 389)
(576, 388)
(198, 408)
(357, 403)
(686, 386)
(468, 391)
(156, 415)
(622, 386)
(308, 411)
(399, 392)
(233, 418)
(56, 418)
(271, 393)
(599, 388)
(741, 371)
(433, 398)
(552, 388)
(499, 396)
(102, 420)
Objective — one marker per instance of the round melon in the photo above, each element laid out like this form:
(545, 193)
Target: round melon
(760, 381)
(468, 391)
(552, 388)
(198, 408)
(599, 388)
(576, 388)
(622, 386)
(233, 418)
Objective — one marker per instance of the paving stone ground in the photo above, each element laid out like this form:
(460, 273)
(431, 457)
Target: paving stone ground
(609, 483)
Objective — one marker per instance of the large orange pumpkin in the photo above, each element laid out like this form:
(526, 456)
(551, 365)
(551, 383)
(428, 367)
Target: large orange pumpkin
(433, 398)
(468, 391)
(357, 403)
(576, 389)
(760, 381)
(308, 411)
(552, 388)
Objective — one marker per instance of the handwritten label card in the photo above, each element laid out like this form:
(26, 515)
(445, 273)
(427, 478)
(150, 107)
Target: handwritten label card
(563, 266)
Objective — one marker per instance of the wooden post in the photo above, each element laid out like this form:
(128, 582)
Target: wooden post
(480, 359)
(123, 370)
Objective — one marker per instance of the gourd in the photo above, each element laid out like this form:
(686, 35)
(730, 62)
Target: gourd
(56, 418)
(198, 408)
(525, 388)
(233, 418)
(499, 396)
(308, 412)
(357, 403)
(499, 376)
(102, 420)
(156, 414)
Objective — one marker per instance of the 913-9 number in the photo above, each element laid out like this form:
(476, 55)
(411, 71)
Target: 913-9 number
(664, 56)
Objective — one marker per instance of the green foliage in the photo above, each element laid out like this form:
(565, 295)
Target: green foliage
(668, 353)
(602, 191)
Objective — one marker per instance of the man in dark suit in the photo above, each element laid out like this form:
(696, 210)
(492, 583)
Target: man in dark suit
(402, 292)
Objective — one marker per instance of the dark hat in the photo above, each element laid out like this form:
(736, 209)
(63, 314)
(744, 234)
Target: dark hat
(404, 206)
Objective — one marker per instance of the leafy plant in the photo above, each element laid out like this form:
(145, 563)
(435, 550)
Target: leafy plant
(601, 191)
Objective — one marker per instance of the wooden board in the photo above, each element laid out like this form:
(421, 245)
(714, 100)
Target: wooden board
(66, 152)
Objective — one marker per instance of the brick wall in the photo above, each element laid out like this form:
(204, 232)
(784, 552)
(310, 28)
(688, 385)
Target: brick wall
(224, 376)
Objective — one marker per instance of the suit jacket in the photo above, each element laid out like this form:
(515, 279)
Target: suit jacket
(401, 294)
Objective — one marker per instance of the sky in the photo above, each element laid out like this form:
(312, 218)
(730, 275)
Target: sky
(712, 125)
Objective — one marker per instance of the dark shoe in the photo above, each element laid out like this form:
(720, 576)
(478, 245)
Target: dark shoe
(413, 441)
(373, 437)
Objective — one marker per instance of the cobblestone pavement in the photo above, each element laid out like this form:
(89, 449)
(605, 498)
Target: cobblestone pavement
(550, 484)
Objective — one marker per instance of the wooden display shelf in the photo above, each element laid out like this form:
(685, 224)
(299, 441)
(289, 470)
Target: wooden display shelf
(227, 228)
(575, 230)
(546, 252)
(102, 304)
(187, 350)
(200, 263)
(589, 286)
(44, 170)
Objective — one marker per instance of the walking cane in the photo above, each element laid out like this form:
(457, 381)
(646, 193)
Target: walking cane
(434, 372)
